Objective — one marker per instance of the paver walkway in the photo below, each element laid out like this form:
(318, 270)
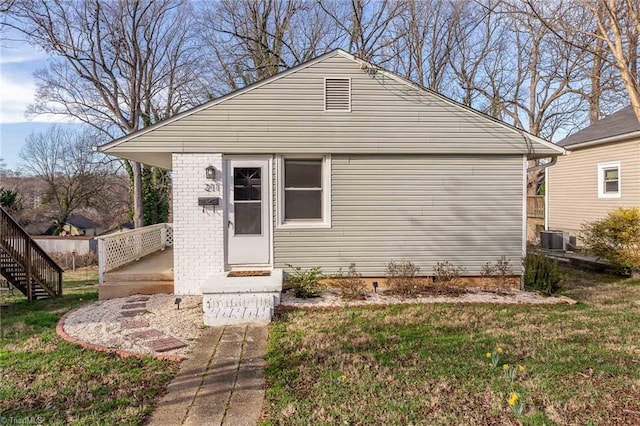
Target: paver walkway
(160, 342)
(221, 383)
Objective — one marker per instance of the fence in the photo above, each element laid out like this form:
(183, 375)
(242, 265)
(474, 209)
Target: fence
(55, 244)
(535, 206)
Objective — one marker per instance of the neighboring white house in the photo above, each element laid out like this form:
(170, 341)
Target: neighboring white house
(338, 161)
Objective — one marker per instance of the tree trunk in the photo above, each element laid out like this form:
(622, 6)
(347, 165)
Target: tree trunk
(138, 218)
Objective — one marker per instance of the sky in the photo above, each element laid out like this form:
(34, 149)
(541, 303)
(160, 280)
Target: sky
(18, 61)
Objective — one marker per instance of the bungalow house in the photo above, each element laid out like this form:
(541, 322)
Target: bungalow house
(75, 225)
(600, 173)
(332, 162)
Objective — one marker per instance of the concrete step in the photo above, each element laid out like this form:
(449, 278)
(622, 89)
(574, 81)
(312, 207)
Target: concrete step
(240, 300)
(239, 315)
(230, 300)
(220, 283)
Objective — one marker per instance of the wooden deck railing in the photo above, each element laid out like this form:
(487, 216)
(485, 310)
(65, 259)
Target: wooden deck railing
(535, 206)
(121, 248)
(26, 263)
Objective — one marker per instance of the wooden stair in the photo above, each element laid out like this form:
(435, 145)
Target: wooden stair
(24, 264)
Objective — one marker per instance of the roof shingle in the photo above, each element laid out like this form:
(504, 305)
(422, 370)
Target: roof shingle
(619, 123)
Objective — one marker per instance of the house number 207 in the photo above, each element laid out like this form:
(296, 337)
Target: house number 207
(212, 187)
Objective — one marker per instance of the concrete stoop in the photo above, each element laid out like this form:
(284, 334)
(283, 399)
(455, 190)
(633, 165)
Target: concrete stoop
(240, 300)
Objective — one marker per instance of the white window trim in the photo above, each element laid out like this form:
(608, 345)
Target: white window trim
(324, 96)
(326, 194)
(601, 168)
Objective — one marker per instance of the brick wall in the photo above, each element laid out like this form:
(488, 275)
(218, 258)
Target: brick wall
(198, 238)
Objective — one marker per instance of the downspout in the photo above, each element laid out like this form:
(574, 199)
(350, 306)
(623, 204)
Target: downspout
(553, 161)
(529, 144)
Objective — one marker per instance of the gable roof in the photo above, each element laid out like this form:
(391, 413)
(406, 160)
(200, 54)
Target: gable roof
(80, 221)
(225, 135)
(617, 125)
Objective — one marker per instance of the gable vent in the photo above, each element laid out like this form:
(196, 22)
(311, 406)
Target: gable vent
(337, 94)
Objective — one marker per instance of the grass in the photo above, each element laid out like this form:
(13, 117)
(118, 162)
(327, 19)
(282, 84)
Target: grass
(420, 364)
(47, 380)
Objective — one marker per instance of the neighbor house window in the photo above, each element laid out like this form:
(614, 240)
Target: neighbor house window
(609, 180)
(304, 191)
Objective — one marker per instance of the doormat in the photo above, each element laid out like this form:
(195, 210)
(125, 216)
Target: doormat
(236, 274)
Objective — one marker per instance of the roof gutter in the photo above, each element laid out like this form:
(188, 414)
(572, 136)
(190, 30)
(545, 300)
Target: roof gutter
(616, 138)
(553, 161)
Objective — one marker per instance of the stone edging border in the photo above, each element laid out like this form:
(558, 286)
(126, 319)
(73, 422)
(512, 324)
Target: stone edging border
(100, 348)
(282, 307)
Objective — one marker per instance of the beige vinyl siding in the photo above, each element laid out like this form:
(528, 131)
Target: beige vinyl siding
(573, 184)
(424, 208)
(287, 116)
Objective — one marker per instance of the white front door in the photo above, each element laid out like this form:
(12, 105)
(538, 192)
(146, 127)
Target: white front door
(248, 210)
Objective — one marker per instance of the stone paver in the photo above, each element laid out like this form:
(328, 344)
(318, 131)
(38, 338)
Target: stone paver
(138, 299)
(166, 344)
(172, 409)
(134, 305)
(222, 382)
(133, 313)
(249, 387)
(147, 334)
(134, 323)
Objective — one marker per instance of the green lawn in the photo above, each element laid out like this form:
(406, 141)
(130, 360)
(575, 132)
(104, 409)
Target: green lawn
(427, 364)
(46, 379)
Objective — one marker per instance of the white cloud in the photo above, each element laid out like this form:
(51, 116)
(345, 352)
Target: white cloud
(15, 97)
(18, 61)
(14, 49)
(24, 54)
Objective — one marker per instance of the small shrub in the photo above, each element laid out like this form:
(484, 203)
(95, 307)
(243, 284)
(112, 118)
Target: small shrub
(447, 274)
(402, 278)
(541, 274)
(616, 238)
(305, 282)
(350, 283)
(498, 274)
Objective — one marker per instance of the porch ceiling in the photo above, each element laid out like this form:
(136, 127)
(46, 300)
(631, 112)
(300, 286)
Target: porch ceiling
(157, 159)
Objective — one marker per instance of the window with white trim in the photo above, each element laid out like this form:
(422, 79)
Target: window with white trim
(304, 191)
(609, 180)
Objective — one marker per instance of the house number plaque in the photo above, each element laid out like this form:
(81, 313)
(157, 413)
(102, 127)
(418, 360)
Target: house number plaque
(212, 187)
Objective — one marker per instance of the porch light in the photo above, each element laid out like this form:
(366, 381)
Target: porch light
(211, 172)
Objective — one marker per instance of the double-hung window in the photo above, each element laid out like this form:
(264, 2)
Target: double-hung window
(609, 180)
(304, 191)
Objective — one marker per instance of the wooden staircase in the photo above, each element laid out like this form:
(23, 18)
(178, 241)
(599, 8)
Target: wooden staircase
(24, 264)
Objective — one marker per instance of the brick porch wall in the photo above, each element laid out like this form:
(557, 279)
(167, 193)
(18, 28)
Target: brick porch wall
(198, 237)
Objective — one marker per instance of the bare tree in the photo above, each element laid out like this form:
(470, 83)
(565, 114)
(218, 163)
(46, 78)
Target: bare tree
(424, 43)
(6, 5)
(121, 65)
(366, 26)
(613, 37)
(250, 40)
(75, 175)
